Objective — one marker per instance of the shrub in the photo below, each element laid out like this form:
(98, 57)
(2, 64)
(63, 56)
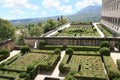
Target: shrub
(105, 51)
(25, 49)
(57, 51)
(84, 48)
(64, 69)
(23, 75)
(118, 64)
(42, 43)
(104, 44)
(69, 51)
(30, 68)
(4, 52)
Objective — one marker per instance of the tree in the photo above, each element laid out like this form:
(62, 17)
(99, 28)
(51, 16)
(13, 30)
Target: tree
(35, 30)
(104, 44)
(63, 19)
(49, 25)
(20, 37)
(6, 30)
(105, 51)
(25, 49)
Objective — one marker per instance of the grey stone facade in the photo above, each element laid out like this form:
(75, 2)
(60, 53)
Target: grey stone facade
(111, 14)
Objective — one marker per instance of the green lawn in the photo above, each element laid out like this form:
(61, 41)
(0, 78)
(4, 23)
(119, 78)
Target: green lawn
(78, 30)
(106, 32)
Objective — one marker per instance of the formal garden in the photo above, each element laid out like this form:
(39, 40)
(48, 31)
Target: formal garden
(78, 29)
(25, 66)
(78, 63)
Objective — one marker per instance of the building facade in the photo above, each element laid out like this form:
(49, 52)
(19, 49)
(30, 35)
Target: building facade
(111, 14)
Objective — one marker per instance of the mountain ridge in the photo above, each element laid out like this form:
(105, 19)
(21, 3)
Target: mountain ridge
(88, 14)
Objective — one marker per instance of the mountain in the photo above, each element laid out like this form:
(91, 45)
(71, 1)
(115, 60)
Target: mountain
(88, 14)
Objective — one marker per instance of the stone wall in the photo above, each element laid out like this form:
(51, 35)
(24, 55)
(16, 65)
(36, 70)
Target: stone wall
(81, 41)
(7, 44)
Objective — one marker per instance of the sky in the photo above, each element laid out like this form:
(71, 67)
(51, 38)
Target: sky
(20, 9)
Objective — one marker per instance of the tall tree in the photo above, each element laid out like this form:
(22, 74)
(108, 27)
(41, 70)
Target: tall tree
(36, 30)
(6, 29)
(49, 25)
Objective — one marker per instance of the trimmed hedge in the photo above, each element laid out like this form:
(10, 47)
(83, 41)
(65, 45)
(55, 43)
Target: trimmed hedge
(52, 47)
(57, 51)
(104, 44)
(84, 48)
(64, 69)
(118, 64)
(69, 51)
(105, 51)
(2, 57)
(111, 68)
(4, 54)
(25, 49)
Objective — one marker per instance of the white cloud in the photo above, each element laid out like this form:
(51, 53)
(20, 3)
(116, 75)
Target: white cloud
(43, 13)
(18, 4)
(18, 12)
(66, 9)
(84, 3)
(57, 5)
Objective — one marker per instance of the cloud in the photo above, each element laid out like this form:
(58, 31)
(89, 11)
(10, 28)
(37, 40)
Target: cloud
(66, 9)
(18, 4)
(18, 12)
(84, 3)
(57, 5)
(43, 13)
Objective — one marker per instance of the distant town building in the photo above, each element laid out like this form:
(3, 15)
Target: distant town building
(111, 14)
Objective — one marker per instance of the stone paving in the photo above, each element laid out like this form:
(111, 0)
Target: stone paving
(100, 32)
(55, 73)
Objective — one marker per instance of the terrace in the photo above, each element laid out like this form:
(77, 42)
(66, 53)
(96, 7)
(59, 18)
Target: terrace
(78, 30)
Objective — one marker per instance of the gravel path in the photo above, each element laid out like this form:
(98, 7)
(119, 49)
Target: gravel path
(65, 26)
(13, 53)
(115, 56)
(100, 32)
(55, 73)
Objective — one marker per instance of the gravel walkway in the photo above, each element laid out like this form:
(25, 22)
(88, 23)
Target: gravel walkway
(13, 53)
(100, 32)
(55, 73)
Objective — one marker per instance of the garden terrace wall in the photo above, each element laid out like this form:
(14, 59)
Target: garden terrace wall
(7, 44)
(80, 41)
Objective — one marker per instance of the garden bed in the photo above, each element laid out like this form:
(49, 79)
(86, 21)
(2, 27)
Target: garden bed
(48, 61)
(84, 67)
(111, 68)
(78, 30)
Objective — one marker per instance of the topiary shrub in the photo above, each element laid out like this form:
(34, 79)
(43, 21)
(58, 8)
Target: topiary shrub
(23, 75)
(104, 44)
(105, 51)
(4, 52)
(25, 49)
(30, 68)
(57, 51)
(69, 51)
(41, 44)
